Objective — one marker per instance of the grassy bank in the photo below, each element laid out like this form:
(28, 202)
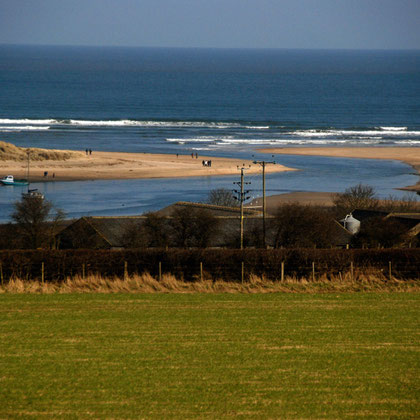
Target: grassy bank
(209, 355)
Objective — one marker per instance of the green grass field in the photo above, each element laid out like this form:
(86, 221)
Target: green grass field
(209, 355)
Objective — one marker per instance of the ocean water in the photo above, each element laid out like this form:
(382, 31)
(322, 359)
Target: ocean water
(213, 102)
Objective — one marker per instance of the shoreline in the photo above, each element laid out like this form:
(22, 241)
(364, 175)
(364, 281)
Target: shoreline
(118, 165)
(408, 155)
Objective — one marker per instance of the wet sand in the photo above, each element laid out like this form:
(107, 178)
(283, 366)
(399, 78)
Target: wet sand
(409, 155)
(115, 165)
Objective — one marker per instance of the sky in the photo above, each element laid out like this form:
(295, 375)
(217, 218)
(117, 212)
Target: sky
(330, 24)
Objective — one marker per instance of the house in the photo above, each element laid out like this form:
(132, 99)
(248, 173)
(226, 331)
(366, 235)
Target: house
(409, 222)
(109, 232)
(97, 232)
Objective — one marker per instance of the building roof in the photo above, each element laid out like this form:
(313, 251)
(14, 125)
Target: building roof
(109, 228)
(216, 211)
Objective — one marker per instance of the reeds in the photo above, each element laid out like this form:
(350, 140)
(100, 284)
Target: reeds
(145, 283)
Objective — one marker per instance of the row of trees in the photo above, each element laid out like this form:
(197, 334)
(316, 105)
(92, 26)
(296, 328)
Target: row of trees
(36, 223)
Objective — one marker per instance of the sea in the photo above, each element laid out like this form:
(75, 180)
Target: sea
(214, 102)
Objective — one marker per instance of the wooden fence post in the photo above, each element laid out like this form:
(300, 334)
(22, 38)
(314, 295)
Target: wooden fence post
(282, 271)
(313, 271)
(160, 271)
(242, 272)
(83, 271)
(125, 271)
(201, 271)
(42, 272)
(352, 271)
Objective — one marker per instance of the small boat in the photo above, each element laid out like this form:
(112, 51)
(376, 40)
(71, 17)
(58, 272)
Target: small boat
(33, 193)
(10, 180)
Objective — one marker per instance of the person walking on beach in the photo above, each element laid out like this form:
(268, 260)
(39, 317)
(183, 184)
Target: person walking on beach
(90, 151)
(87, 152)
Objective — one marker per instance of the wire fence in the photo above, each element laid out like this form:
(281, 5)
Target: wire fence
(232, 266)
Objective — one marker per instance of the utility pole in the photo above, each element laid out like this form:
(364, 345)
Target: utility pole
(263, 163)
(241, 197)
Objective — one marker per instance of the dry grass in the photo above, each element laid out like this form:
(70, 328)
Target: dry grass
(145, 283)
(9, 151)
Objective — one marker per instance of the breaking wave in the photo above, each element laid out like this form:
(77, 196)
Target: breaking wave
(225, 142)
(133, 123)
(225, 133)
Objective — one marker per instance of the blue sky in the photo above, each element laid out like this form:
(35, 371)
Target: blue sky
(355, 24)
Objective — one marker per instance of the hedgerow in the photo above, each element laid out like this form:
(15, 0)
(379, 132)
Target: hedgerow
(188, 265)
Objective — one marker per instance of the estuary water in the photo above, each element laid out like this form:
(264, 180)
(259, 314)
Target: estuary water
(213, 102)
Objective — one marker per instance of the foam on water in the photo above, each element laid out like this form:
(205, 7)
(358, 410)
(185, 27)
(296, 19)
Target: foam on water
(394, 132)
(27, 121)
(393, 128)
(130, 123)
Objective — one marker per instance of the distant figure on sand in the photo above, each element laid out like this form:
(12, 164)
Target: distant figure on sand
(87, 152)
(90, 151)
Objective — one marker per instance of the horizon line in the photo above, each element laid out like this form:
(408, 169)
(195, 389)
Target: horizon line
(207, 48)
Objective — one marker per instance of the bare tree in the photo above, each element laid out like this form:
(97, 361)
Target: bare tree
(36, 220)
(192, 227)
(297, 225)
(155, 228)
(152, 232)
(222, 197)
(357, 197)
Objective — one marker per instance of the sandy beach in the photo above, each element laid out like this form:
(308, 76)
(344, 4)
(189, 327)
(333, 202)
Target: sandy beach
(409, 155)
(113, 165)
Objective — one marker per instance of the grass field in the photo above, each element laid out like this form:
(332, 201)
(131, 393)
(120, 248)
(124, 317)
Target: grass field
(209, 355)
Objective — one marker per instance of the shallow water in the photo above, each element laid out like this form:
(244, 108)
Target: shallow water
(131, 197)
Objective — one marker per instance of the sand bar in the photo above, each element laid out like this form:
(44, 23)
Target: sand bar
(115, 165)
(409, 155)
(320, 199)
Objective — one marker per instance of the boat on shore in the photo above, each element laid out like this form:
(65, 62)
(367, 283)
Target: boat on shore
(10, 180)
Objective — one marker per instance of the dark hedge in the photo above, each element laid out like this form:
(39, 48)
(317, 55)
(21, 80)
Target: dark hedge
(217, 263)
